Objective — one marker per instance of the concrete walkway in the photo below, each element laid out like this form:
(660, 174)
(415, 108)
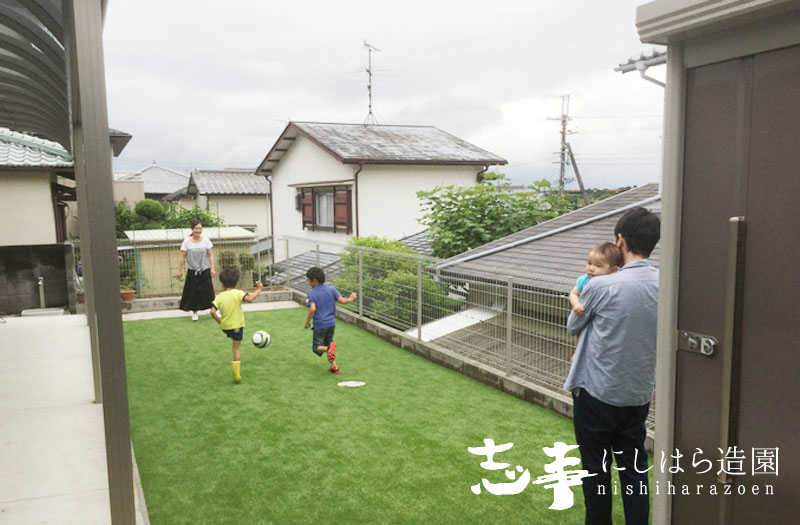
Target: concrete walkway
(52, 446)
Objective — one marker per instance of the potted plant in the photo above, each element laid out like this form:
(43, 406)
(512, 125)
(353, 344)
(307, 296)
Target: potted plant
(128, 276)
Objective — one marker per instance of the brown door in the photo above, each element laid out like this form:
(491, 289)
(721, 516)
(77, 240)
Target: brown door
(742, 158)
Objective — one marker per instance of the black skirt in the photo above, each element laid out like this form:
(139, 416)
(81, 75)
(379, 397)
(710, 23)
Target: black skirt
(198, 291)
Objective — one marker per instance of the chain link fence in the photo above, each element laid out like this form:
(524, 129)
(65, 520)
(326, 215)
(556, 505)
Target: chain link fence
(511, 319)
(150, 269)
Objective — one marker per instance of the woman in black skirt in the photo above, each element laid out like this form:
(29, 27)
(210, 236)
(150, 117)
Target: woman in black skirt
(198, 291)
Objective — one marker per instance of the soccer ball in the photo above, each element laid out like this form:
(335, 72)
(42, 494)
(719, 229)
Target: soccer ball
(261, 339)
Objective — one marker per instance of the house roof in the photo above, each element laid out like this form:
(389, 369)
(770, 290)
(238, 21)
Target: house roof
(19, 150)
(377, 144)
(293, 269)
(228, 182)
(156, 179)
(553, 254)
(419, 242)
(215, 233)
(119, 139)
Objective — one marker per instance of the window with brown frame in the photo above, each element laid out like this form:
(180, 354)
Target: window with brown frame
(327, 208)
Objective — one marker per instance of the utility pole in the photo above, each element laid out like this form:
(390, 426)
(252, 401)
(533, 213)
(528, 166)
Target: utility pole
(370, 117)
(564, 118)
(578, 175)
(565, 154)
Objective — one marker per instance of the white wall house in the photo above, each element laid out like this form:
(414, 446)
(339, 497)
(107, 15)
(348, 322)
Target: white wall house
(239, 197)
(33, 189)
(333, 181)
(157, 182)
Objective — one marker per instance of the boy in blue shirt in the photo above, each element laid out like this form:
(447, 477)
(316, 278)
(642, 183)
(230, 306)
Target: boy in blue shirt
(321, 301)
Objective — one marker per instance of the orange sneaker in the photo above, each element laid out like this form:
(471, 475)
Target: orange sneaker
(334, 370)
(332, 352)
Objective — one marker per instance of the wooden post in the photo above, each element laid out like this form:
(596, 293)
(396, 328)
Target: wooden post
(91, 150)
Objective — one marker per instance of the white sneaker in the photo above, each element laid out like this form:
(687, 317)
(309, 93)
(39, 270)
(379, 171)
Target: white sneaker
(195, 317)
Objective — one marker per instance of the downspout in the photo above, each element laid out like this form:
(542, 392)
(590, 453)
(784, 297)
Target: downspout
(355, 178)
(479, 176)
(271, 220)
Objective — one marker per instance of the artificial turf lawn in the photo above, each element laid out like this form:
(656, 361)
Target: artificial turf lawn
(287, 445)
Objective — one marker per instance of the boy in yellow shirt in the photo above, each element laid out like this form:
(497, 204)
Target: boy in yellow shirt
(227, 311)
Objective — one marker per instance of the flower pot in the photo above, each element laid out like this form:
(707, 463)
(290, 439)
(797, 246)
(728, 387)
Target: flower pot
(127, 295)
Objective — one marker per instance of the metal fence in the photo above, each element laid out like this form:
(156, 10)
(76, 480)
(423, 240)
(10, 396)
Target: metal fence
(151, 268)
(513, 320)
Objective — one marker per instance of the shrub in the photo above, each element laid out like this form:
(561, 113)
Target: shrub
(390, 284)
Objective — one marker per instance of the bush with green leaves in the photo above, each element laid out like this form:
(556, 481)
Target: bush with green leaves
(390, 283)
(179, 217)
(461, 218)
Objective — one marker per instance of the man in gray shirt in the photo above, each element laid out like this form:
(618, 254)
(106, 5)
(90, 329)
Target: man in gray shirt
(613, 372)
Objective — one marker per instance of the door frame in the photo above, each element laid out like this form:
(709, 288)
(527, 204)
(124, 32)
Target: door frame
(735, 37)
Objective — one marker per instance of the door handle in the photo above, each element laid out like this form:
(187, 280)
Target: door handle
(731, 337)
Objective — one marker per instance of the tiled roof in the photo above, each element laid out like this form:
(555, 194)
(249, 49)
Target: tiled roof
(19, 150)
(552, 254)
(157, 180)
(354, 143)
(229, 182)
(179, 234)
(292, 271)
(419, 242)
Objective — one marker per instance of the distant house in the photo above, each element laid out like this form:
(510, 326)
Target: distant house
(239, 197)
(332, 181)
(37, 188)
(156, 181)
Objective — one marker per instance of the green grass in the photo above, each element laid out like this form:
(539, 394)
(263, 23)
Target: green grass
(287, 445)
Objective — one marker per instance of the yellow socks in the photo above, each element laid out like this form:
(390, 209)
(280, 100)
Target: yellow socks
(237, 368)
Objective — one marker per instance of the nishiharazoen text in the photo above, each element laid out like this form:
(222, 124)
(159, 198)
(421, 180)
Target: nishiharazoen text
(689, 490)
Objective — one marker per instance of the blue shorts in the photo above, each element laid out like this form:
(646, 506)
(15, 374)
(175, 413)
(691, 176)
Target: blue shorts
(235, 334)
(322, 337)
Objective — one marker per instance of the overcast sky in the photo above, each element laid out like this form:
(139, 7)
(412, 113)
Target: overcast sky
(205, 84)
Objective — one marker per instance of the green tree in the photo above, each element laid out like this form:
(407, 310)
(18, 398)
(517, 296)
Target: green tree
(462, 218)
(149, 214)
(390, 283)
(179, 217)
(125, 218)
(150, 210)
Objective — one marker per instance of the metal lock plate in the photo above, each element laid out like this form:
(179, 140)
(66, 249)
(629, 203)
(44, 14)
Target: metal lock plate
(698, 343)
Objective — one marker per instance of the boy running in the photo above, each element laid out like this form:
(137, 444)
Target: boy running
(321, 301)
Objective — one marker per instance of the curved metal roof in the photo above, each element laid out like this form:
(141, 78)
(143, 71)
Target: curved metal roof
(33, 79)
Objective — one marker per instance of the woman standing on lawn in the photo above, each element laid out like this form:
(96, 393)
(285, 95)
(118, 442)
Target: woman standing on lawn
(198, 291)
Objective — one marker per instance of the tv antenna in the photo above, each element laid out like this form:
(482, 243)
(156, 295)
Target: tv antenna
(370, 116)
